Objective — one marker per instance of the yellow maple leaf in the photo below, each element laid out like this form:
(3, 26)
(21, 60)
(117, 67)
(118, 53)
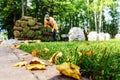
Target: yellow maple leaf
(80, 54)
(20, 64)
(36, 67)
(53, 59)
(69, 70)
(35, 52)
(36, 60)
(15, 46)
(45, 50)
(89, 53)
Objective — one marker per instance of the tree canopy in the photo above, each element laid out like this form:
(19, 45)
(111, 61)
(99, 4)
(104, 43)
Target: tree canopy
(87, 14)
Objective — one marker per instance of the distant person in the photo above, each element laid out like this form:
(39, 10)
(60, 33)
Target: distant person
(50, 22)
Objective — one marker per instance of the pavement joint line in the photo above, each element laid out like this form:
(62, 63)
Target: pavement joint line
(15, 53)
(35, 75)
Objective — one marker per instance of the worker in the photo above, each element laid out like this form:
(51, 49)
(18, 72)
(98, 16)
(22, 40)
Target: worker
(51, 23)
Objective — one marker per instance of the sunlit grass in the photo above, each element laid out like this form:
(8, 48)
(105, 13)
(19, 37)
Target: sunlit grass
(99, 60)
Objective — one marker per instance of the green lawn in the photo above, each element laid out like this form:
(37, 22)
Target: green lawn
(99, 60)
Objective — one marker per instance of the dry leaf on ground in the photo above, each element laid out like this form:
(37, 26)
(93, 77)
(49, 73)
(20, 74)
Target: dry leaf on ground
(45, 50)
(36, 67)
(70, 70)
(15, 46)
(53, 59)
(80, 54)
(90, 53)
(36, 61)
(20, 64)
(35, 52)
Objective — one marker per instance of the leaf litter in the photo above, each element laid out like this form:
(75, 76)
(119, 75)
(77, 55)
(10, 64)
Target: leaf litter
(36, 63)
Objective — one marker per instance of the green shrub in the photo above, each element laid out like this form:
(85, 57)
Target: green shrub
(37, 34)
(46, 29)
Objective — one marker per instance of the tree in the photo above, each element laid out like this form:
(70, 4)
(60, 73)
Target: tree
(10, 12)
(22, 7)
(97, 6)
(67, 13)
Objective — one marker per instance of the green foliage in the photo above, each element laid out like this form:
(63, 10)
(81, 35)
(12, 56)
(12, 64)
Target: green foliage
(46, 29)
(67, 13)
(9, 12)
(46, 38)
(102, 64)
(37, 33)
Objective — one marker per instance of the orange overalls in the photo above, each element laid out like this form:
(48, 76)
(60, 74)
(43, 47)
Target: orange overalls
(50, 22)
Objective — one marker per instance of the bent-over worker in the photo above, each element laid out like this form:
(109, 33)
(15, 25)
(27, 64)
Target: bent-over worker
(51, 23)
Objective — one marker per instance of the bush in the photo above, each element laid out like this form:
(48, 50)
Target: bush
(37, 34)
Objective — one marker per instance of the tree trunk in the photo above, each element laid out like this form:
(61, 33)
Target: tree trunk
(26, 7)
(51, 13)
(70, 20)
(100, 17)
(73, 21)
(95, 16)
(77, 20)
(14, 18)
(22, 8)
(42, 17)
(88, 19)
(36, 9)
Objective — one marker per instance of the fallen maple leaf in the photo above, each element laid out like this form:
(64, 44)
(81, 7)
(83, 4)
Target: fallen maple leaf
(36, 67)
(53, 59)
(45, 50)
(35, 52)
(15, 46)
(80, 54)
(20, 64)
(69, 70)
(36, 61)
(89, 53)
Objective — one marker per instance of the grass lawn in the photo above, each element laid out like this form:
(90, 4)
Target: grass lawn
(99, 60)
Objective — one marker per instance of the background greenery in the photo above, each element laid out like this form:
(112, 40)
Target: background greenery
(98, 59)
(87, 14)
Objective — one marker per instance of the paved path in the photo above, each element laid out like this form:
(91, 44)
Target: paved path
(9, 56)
